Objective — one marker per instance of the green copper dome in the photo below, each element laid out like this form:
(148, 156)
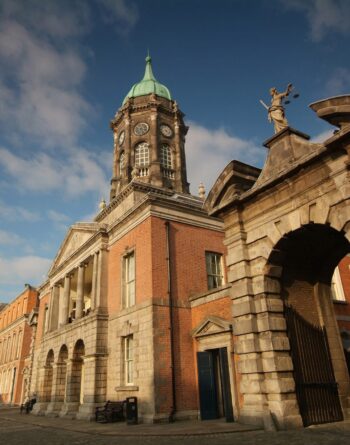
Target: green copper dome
(148, 85)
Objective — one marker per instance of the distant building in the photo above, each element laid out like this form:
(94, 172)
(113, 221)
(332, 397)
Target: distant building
(16, 346)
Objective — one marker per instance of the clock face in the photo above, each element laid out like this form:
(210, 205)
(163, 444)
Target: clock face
(121, 137)
(141, 128)
(166, 130)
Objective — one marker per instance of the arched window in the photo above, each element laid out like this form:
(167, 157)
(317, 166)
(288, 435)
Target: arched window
(142, 154)
(165, 156)
(142, 159)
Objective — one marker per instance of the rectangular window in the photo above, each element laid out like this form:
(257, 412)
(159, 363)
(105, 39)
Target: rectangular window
(129, 360)
(128, 280)
(214, 269)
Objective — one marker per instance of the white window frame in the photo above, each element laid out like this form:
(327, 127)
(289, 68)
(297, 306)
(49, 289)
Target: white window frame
(129, 280)
(142, 154)
(215, 276)
(128, 360)
(166, 156)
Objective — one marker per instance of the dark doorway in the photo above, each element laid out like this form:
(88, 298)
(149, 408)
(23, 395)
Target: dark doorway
(214, 385)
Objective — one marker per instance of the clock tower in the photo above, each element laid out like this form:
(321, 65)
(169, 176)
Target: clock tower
(149, 138)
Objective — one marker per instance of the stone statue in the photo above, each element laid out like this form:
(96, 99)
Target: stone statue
(276, 112)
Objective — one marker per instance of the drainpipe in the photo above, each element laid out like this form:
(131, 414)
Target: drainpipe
(171, 324)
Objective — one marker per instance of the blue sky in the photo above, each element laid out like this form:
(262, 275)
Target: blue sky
(66, 65)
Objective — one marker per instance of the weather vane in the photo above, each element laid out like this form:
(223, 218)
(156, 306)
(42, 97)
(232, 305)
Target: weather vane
(276, 112)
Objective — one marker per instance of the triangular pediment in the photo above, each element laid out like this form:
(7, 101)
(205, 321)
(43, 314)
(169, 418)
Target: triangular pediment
(212, 325)
(78, 235)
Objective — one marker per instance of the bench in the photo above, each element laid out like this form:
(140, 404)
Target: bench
(110, 412)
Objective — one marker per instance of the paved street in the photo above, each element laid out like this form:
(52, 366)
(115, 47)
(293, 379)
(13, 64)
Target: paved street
(16, 429)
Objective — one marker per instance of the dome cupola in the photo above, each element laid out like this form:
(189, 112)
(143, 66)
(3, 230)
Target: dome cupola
(149, 139)
(148, 85)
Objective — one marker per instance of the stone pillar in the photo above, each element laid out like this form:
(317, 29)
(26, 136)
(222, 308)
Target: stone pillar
(56, 402)
(80, 291)
(54, 308)
(42, 394)
(51, 304)
(155, 175)
(101, 282)
(95, 385)
(94, 281)
(71, 403)
(261, 344)
(65, 303)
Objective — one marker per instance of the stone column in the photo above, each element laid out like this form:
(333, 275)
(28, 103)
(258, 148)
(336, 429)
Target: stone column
(155, 175)
(71, 403)
(65, 303)
(55, 405)
(95, 385)
(42, 394)
(80, 291)
(54, 308)
(94, 281)
(51, 304)
(101, 281)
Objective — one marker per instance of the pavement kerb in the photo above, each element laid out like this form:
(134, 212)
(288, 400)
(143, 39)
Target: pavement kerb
(131, 433)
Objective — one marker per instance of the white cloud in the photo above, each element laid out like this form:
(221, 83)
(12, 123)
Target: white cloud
(60, 220)
(17, 213)
(209, 151)
(40, 80)
(76, 174)
(57, 216)
(27, 269)
(9, 238)
(58, 19)
(324, 16)
(339, 83)
(123, 13)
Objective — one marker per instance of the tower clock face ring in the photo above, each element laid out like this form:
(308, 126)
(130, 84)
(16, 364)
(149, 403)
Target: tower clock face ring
(141, 128)
(166, 131)
(121, 137)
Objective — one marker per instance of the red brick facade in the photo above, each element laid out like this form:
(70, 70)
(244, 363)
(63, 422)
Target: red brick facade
(15, 344)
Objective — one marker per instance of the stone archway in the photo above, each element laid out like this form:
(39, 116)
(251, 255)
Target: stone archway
(48, 378)
(75, 381)
(303, 262)
(59, 382)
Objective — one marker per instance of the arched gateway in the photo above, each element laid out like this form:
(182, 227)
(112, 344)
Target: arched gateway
(286, 228)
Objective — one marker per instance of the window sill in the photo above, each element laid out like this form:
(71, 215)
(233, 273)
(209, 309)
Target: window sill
(210, 291)
(126, 388)
(340, 302)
